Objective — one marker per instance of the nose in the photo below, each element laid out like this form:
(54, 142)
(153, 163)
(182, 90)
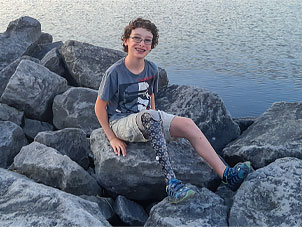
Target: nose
(142, 42)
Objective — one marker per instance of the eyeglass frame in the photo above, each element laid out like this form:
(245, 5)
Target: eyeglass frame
(138, 39)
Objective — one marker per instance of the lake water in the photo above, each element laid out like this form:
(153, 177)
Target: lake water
(247, 51)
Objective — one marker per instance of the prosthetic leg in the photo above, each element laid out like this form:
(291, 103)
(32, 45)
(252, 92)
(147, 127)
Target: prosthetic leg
(151, 125)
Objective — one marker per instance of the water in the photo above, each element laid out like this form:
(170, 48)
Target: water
(247, 51)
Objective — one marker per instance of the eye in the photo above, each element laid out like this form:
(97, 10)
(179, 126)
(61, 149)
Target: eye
(137, 39)
(148, 41)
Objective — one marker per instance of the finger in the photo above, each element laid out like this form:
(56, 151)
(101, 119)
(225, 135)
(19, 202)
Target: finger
(114, 150)
(118, 151)
(124, 151)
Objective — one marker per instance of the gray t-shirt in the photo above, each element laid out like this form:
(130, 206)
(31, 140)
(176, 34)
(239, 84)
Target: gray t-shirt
(127, 92)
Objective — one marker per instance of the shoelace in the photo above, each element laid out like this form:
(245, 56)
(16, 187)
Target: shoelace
(176, 188)
(234, 176)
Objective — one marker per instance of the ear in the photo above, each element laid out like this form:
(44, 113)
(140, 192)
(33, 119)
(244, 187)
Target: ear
(125, 41)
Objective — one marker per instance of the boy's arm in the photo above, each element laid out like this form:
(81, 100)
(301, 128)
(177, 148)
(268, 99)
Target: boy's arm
(102, 116)
(153, 101)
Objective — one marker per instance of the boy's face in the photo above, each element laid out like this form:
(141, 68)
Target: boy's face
(139, 43)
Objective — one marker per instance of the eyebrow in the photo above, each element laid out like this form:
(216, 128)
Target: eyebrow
(137, 34)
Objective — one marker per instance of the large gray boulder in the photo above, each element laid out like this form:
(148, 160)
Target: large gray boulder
(87, 63)
(32, 89)
(70, 141)
(271, 196)
(8, 71)
(75, 109)
(205, 108)
(26, 203)
(204, 209)
(130, 212)
(40, 50)
(8, 113)
(105, 204)
(138, 176)
(32, 127)
(46, 165)
(19, 36)
(12, 139)
(54, 62)
(275, 134)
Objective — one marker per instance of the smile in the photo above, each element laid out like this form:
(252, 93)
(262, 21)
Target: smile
(140, 50)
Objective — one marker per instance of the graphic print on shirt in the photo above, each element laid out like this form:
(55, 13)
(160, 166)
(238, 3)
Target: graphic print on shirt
(135, 96)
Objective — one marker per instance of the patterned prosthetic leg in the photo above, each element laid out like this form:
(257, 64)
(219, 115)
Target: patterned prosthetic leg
(154, 132)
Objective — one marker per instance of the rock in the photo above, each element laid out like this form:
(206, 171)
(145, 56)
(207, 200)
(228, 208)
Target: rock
(8, 71)
(19, 36)
(205, 209)
(54, 62)
(70, 141)
(130, 212)
(34, 50)
(46, 165)
(12, 139)
(26, 203)
(75, 109)
(206, 109)
(275, 134)
(226, 193)
(105, 205)
(138, 176)
(244, 122)
(40, 50)
(87, 63)
(271, 196)
(163, 78)
(32, 89)
(32, 127)
(8, 113)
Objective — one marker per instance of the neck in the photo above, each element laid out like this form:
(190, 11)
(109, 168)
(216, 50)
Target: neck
(135, 65)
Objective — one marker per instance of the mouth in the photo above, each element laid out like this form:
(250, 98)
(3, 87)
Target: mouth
(139, 50)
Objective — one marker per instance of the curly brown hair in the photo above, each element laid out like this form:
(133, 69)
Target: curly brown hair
(140, 23)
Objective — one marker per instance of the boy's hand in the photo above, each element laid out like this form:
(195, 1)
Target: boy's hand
(118, 146)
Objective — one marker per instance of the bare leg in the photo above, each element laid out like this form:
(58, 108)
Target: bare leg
(182, 127)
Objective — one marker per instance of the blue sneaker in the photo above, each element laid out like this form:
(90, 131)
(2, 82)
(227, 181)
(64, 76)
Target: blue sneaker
(234, 177)
(178, 192)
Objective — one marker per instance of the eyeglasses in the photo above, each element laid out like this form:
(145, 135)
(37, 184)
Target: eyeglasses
(139, 39)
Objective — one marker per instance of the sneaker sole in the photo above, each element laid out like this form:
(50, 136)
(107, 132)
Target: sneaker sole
(189, 195)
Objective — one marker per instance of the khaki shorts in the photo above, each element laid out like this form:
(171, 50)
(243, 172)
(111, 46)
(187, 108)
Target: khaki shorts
(127, 128)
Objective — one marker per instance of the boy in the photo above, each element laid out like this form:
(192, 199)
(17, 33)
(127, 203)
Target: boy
(125, 108)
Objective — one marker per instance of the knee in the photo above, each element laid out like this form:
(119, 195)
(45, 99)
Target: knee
(189, 128)
(150, 115)
(189, 123)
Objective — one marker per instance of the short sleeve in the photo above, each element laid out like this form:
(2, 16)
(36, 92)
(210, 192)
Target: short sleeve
(108, 86)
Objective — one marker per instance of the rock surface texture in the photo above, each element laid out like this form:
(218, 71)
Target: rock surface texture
(205, 108)
(32, 89)
(12, 139)
(8, 71)
(8, 113)
(87, 63)
(20, 35)
(69, 141)
(139, 176)
(26, 203)
(75, 109)
(271, 196)
(275, 134)
(46, 165)
(204, 209)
